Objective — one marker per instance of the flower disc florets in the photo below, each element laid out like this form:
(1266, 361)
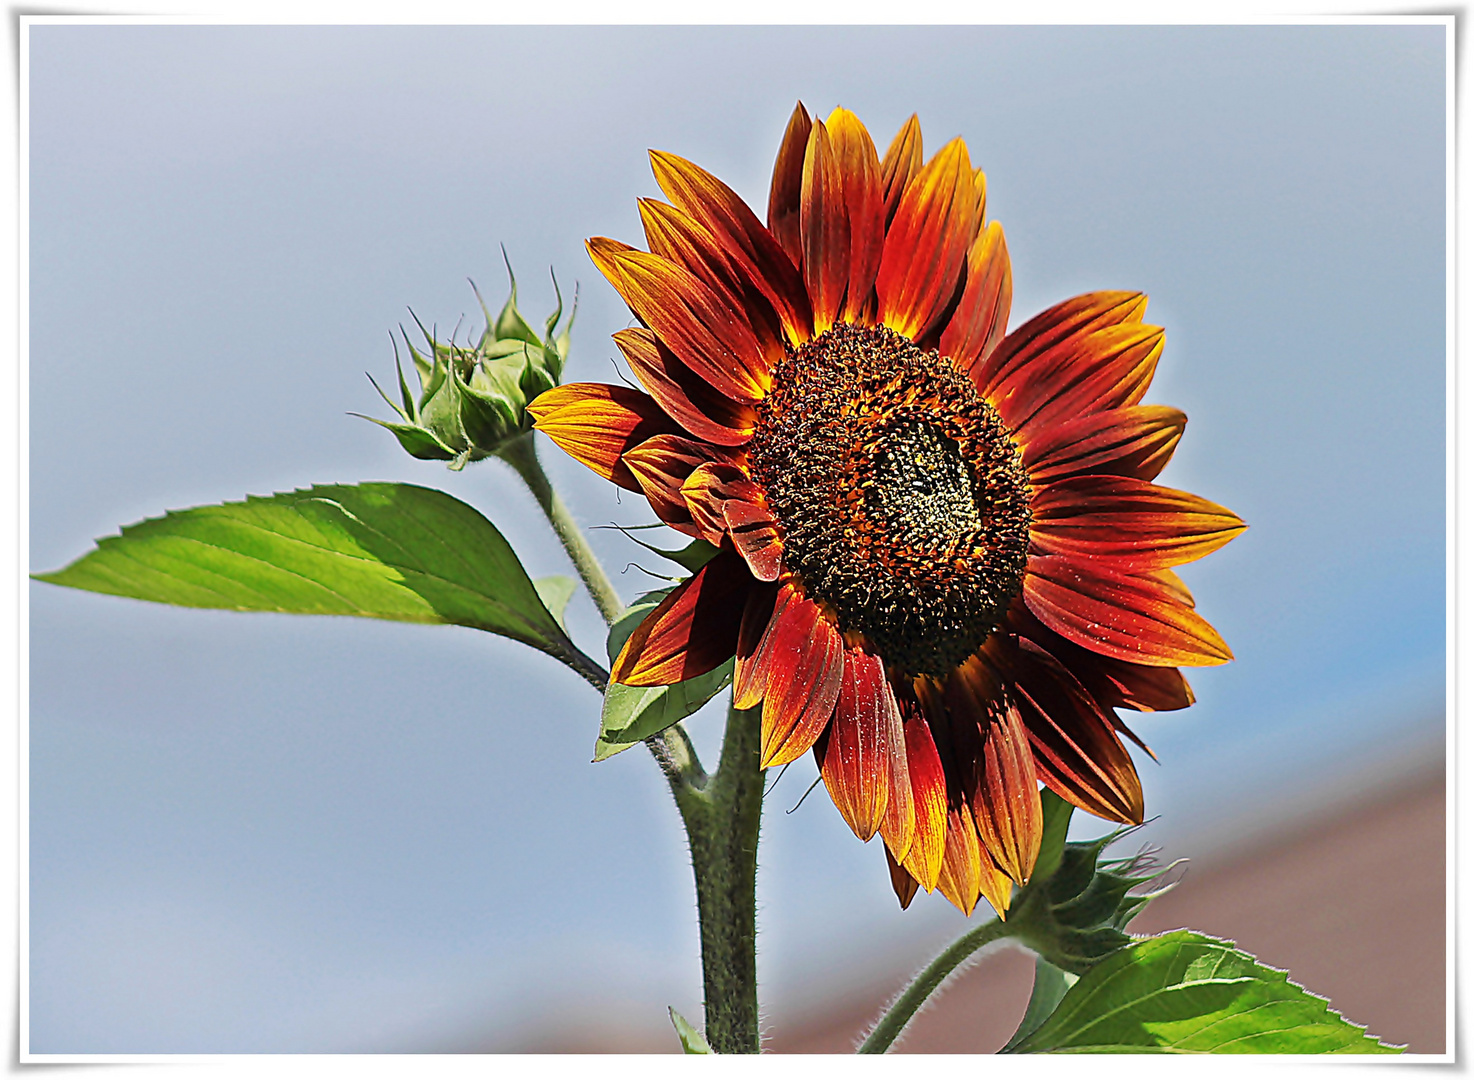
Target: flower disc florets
(901, 499)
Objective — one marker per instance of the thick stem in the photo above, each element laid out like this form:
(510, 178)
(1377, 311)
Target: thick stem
(521, 454)
(722, 819)
(899, 1015)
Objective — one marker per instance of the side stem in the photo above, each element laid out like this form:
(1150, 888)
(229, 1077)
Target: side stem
(521, 454)
(899, 1015)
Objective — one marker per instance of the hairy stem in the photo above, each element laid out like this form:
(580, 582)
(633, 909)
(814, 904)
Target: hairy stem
(899, 1015)
(521, 454)
(722, 818)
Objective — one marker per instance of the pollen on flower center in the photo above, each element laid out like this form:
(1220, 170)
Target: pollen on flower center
(901, 499)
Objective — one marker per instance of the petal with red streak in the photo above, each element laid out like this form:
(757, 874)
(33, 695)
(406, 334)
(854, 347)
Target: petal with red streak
(692, 631)
(859, 167)
(662, 465)
(784, 193)
(902, 882)
(927, 243)
(929, 793)
(756, 253)
(1130, 617)
(805, 666)
(858, 753)
(981, 318)
(962, 869)
(1127, 525)
(597, 423)
(1039, 337)
(754, 533)
(1134, 441)
(902, 162)
(689, 399)
(750, 677)
(824, 227)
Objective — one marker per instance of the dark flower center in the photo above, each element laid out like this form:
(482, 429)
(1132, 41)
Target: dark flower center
(901, 499)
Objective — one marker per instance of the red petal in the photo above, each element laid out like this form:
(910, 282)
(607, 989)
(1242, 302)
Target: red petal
(688, 398)
(981, 318)
(662, 465)
(750, 677)
(805, 663)
(1000, 778)
(1106, 369)
(927, 243)
(692, 631)
(596, 423)
(857, 756)
(708, 335)
(676, 236)
(859, 167)
(903, 883)
(1076, 751)
(1130, 617)
(1135, 441)
(751, 247)
(825, 229)
(754, 533)
(929, 793)
(1127, 525)
(902, 162)
(784, 194)
(707, 491)
(1036, 338)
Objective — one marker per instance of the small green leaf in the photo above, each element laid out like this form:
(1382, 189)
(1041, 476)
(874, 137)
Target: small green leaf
(633, 615)
(1187, 993)
(633, 713)
(1050, 985)
(555, 592)
(692, 1041)
(380, 551)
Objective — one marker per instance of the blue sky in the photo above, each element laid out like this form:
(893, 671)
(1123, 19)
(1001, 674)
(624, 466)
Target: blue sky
(267, 833)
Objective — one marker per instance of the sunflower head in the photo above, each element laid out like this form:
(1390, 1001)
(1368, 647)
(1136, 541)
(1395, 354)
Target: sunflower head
(943, 564)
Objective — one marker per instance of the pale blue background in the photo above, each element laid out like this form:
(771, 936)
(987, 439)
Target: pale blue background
(267, 833)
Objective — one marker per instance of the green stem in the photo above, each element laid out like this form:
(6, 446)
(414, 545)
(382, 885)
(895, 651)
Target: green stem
(899, 1015)
(722, 818)
(521, 454)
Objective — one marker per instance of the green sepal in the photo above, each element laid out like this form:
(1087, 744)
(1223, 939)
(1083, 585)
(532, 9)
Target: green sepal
(417, 441)
(692, 1041)
(555, 591)
(1188, 993)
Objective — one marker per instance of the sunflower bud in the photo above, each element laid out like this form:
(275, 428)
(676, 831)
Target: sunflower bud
(1074, 911)
(473, 398)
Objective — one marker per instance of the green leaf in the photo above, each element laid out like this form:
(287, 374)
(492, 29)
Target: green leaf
(379, 550)
(555, 592)
(692, 1041)
(633, 713)
(1187, 993)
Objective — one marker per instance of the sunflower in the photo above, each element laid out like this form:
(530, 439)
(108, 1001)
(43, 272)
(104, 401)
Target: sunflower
(943, 562)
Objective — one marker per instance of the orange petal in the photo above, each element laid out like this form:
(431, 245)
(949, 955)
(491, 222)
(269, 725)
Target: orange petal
(750, 677)
(754, 533)
(962, 870)
(805, 664)
(688, 399)
(750, 246)
(1105, 369)
(981, 318)
(709, 337)
(902, 882)
(677, 237)
(929, 793)
(692, 631)
(1000, 778)
(1130, 617)
(662, 465)
(857, 758)
(1135, 441)
(784, 194)
(1076, 751)
(859, 168)
(1036, 339)
(1127, 525)
(994, 884)
(707, 491)
(597, 423)
(927, 243)
(825, 229)
(902, 162)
